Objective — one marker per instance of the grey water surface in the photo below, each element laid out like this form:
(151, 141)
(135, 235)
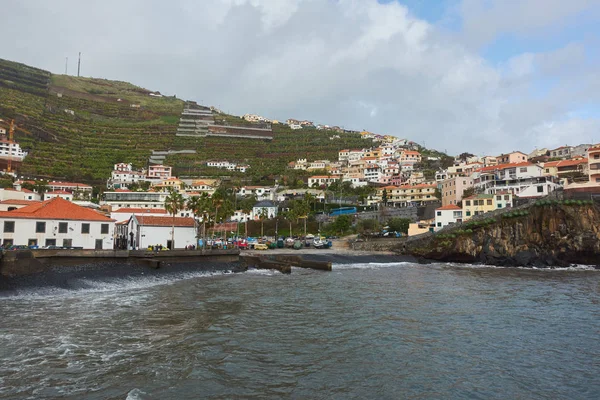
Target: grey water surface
(383, 330)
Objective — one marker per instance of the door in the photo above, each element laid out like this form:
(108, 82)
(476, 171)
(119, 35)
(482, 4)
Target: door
(98, 244)
(169, 245)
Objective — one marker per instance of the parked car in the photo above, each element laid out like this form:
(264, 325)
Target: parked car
(261, 246)
(17, 247)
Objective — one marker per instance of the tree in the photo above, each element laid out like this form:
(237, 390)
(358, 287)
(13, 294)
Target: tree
(342, 224)
(367, 226)
(384, 197)
(399, 225)
(173, 204)
(262, 215)
(199, 205)
(438, 193)
(290, 215)
(41, 187)
(246, 205)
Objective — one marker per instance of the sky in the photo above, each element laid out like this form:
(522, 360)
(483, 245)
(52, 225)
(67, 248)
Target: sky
(481, 76)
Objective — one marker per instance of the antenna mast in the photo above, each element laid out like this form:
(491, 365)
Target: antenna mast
(78, 64)
(66, 64)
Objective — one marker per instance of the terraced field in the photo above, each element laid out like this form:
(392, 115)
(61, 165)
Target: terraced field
(77, 128)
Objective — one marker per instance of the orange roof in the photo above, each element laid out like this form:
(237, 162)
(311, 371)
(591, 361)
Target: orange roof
(19, 202)
(122, 190)
(140, 210)
(56, 208)
(164, 221)
(566, 163)
(504, 166)
(449, 207)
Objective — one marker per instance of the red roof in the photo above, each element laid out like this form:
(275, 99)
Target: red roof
(566, 163)
(449, 207)
(122, 190)
(19, 202)
(56, 208)
(164, 221)
(504, 166)
(141, 210)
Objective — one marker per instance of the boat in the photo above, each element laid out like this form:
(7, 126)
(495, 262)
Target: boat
(321, 243)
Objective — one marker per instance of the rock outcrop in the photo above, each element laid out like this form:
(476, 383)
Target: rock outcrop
(549, 233)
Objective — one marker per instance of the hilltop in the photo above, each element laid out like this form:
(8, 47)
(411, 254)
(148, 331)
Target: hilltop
(76, 128)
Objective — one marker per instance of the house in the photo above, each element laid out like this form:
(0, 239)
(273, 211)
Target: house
(144, 230)
(453, 189)
(564, 168)
(159, 172)
(121, 199)
(264, 209)
(594, 164)
(18, 194)
(477, 204)
(447, 215)
(170, 183)
(57, 222)
(512, 158)
(521, 179)
(58, 193)
(320, 180)
(78, 189)
(261, 192)
(562, 152)
(406, 196)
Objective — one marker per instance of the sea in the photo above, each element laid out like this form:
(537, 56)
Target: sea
(372, 328)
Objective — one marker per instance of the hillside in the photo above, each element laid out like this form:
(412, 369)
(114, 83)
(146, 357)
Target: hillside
(77, 128)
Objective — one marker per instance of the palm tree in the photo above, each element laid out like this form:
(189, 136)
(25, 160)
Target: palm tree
(173, 204)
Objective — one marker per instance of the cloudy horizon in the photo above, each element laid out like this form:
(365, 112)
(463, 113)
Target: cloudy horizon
(483, 76)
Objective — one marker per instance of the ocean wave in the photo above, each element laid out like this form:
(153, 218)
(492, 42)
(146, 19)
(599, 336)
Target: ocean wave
(574, 267)
(371, 265)
(81, 286)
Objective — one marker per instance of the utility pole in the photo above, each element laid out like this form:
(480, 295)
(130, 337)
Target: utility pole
(78, 64)
(66, 64)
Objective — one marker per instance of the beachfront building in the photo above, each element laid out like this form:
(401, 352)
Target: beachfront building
(145, 230)
(453, 189)
(447, 215)
(57, 222)
(521, 179)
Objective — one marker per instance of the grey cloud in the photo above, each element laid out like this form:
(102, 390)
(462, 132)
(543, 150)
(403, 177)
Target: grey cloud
(361, 65)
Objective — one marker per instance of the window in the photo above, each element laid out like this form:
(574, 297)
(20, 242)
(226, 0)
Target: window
(596, 156)
(68, 243)
(439, 224)
(85, 228)
(468, 213)
(50, 242)
(7, 242)
(9, 226)
(523, 169)
(40, 227)
(547, 170)
(32, 242)
(498, 198)
(104, 229)
(489, 202)
(467, 202)
(439, 213)
(540, 189)
(506, 197)
(63, 227)
(12, 208)
(499, 205)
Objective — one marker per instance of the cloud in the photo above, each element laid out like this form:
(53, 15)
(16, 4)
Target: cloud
(485, 20)
(357, 64)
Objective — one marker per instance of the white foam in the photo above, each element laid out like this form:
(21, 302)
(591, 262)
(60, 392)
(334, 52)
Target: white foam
(111, 286)
(574, 267)
(372, 265)
(135, 394)
(265, 272)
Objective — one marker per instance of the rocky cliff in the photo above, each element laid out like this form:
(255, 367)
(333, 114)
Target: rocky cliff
(549, 233)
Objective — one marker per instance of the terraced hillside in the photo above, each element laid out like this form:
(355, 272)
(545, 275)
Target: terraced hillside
(77, 128)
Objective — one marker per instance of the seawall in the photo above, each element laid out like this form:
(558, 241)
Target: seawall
(26, 262)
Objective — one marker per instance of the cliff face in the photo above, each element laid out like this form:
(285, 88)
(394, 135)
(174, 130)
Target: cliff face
(548, 234)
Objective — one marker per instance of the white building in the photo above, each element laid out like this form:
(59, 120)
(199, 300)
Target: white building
(264, 208)
(57, 222)
(58, 193)
(322, 180)
(520, 179)
(125, 198)
(152, 230)
(261, 192)
(447, 215)
(13, 204)
(72, 187)
(123, 214)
